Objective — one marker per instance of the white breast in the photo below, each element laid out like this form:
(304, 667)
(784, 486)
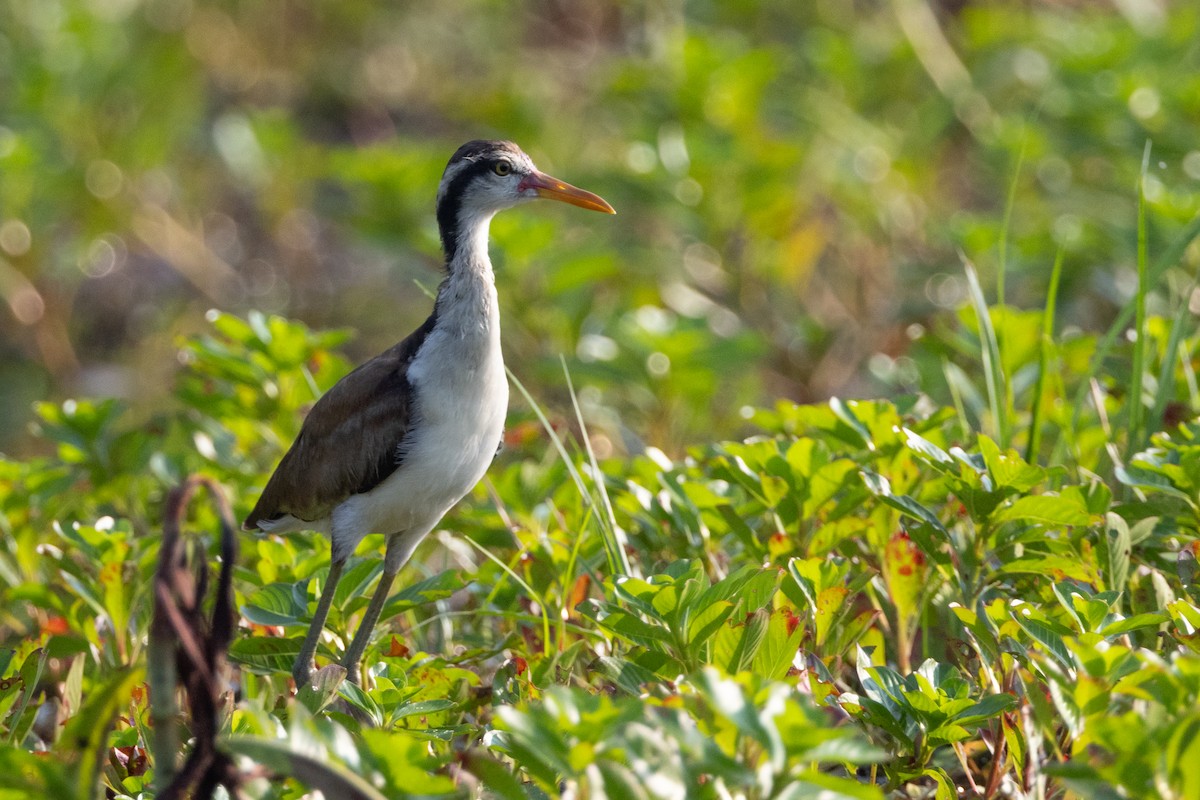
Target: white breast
(461, 393)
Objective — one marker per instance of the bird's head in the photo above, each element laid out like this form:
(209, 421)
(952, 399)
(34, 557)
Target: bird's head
(484, 177)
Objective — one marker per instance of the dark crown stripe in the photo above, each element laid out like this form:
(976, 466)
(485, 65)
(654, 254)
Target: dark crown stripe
(451, 203)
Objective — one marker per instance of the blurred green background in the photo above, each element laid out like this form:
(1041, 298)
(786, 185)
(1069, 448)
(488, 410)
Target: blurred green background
(797, 183)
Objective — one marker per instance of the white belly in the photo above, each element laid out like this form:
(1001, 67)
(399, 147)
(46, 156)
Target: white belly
(462, 399)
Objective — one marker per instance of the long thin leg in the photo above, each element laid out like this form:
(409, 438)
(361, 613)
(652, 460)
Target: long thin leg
(302, 669)
(370, 617)
(399, 548)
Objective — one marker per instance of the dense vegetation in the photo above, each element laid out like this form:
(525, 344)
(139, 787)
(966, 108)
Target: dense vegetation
(671, 583)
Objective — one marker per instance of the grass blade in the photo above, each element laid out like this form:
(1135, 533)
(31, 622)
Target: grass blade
(1168, 259)
(1171, 358)
(529, 590)
(1044, 354)
(614, 537)
(993, 368)
(1005, 225)
(1137, 409)
(618, 564)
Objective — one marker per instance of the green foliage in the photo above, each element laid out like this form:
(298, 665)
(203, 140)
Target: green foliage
(852, 600)
(986, 587)
(794, 184)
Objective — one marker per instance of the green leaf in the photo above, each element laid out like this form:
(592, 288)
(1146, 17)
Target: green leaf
(1182, 755)
(265, 654)
(277, 604)
(1045, 509)
(26, 682)
(1007, 469)
(753, 633)
(422, 708)
(1048, 634)
(630, 627)
(86, 733)
(986, 709)
(277, 755)
(845, 413)
(491, 773)
(813, 785)
(322, 688)
(1058, 567)
(707, 621)
(356, 580)
(779, 648)
(1119, 627)
(629, 677)
(1117, 546)
(935, 456)
(882, 488)
(1140, 478)
(32, 775)
(438, 587)
(728, 699)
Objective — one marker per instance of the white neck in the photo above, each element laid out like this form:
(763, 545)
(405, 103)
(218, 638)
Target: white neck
(471, 249)
(467, 301)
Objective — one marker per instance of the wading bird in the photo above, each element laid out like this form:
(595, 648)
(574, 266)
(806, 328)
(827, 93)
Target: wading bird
(401, 439)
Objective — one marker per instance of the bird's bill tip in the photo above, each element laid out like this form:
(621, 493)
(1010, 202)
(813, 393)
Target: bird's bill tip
(553, 189)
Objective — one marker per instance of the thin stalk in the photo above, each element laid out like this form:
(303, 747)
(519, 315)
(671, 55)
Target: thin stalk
(1009, 203)
(1002, 270)
(614, 537)
(1171, 356)
(614, 553)
(1044, 355)
(993, 368)
(1168, 259)
(952, 374)
(1137, 409)
(536, 595)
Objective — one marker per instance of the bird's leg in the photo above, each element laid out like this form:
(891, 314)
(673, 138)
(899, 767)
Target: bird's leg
(302, 669)
(398, 550)
(371, 616)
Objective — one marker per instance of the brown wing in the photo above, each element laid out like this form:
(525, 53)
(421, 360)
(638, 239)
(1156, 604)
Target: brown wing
(349, 441)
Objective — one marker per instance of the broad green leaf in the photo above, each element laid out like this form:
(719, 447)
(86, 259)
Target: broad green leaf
(437, 587)
(1007, 469)
(728, 699)
(935, 456)
(813, 785)
(356, 580)
(1117, 546)
(779, 648)
(882, 488)
(1119, 627)
(1182, 755)
(1055, 566)
(85, 738)
(754, 631)
(986, 709)
(1044, 509)
(627, 676)
(265, 654)
(708, 621)
(277, 755)
(1047, 634)
(906, 574)
(277, 604)
(322, 688)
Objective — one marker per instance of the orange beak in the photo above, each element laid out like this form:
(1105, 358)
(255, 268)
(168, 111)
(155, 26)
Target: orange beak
(554, 189)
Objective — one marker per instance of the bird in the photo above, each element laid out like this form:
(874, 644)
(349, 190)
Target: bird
(398, 441)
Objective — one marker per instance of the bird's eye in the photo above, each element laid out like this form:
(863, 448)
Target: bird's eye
(502, 168)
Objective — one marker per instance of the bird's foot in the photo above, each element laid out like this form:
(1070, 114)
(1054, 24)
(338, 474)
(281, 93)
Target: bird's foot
(302, 674)
(353, 673)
